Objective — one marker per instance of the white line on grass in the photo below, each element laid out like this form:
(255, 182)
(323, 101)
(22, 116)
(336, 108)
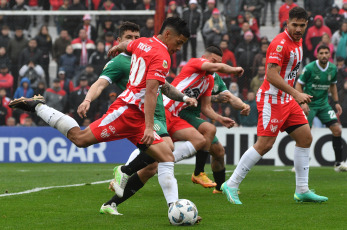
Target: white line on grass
(51, 187)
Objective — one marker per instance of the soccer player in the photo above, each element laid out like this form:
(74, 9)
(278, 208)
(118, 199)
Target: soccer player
(317, 78)
(279, 112)
(131, 115)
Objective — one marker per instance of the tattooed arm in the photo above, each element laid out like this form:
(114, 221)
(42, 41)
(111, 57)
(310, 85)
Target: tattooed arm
(174, 94)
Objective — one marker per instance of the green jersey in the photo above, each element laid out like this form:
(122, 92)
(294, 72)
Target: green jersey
(316, 82)
(218, 87)
(117, 71)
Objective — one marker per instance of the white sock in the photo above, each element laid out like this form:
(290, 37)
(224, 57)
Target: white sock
(133, 155)
(56, 119)
(247, 161)
(168, 181)
(301, 164)
(184, 151)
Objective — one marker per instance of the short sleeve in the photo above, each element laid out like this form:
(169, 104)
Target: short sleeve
(132, 45)
(111, 71)
(159, 68)
(221, 85)
(276, 54)
(210, 86)
(196, 63)
(334, 77)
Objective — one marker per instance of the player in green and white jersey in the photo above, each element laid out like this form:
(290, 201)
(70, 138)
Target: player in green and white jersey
(220, 94)
(317, 78)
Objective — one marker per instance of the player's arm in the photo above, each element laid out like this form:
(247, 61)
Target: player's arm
(238, 104)
(208, 111)
(222, 68)
(335, 96)
(305, 107)
(93, 93)
(121, 47)
(275, 79)
(150, 104)
(174, 94)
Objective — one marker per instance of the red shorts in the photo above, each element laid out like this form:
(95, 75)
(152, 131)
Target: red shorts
(174, 123)
(121, 121)
(273, 118)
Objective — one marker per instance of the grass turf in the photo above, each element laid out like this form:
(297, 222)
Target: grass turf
(266, 193)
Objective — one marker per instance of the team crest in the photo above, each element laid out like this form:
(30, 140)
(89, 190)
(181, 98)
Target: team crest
(273, 128)
(165, 64)
(279, 48)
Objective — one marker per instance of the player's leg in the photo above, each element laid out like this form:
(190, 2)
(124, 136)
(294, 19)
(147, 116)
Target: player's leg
(56, 119)
(217, 152)
(339, 165)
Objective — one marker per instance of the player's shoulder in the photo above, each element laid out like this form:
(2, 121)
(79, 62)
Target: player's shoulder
(332, 66)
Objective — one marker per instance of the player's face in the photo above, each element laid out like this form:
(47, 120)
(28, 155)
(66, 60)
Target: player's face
(129, 35)
(323, 56)
(296, 28)
(214, 58)
(174, 41)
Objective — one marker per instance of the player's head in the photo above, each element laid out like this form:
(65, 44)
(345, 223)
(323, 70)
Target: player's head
(323, 54)
(214, 54)
(173, 33)
(128, 31)
(297, 23)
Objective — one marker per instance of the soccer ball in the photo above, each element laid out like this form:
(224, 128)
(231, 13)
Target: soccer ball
(183, 212)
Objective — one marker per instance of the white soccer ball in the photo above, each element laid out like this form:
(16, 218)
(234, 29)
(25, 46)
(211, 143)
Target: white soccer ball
(183, 212)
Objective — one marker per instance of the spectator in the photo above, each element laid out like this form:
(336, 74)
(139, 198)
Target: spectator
(192, 16)
(112, 96)
(341, 73)
(228, 58)
(252, 119)
(106, 26)
(40, 89)
(90, 29)
(234, 89)
(4, 36)
(5, 101)
(27, 121)
(272, 8)
(342, 46)
(130, 5)
(338, 34)
(283, 13)
(4, 20)
(172, 9)
(3, 114)
(245, 53)
(343, 102)
(15, 47)
(33, 72)
(314, 35)
(232, 8)
(234, 34)
(56, 97)
(317, 7)
(214, 29)
(144, 5)
(11, 122)
(86, 122)
(230, 113)
(24, 90)
(326, 41)
(254, 7)
(82, 48)
(23, 21)
(69, 62)
(107, 6)
(253, 24)
(36, 20)
(77, 97)
(31, 53)
(4, 59)
(148, 30)
(60, 44)
(258, 80)
(44, 43)
(110, 41)
(65, 83)
(6, 79)
(61, 21)
(333, 19)
(206, 15)
(99, 58)
(56, 4)
(343, 10)
(72, 22)
(89, 74)
(258, 58)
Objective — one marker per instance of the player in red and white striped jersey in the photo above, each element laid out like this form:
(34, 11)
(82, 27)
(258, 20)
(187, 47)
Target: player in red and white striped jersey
(279, 112)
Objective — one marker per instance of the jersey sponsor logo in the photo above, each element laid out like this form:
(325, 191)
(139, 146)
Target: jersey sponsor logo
(113, 130)
(165, 65)
(274, 120)
(273, 128)
(279, 48)
(292, 74)
(316, 77)
(104, 134)
(159, 75)
(293, 54)
(192, 92)
(107, 64)
(144, 47)
(283, 41)
(275, 57)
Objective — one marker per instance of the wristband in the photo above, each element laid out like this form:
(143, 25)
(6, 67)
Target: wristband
(87, 100)
(185, 98)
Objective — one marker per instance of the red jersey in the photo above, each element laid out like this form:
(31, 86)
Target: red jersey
(287, 53)
(150, 60)
(193, 82)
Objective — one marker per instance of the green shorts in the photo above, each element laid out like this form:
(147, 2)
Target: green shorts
(195, 121)
(325, 114)
(160, 127)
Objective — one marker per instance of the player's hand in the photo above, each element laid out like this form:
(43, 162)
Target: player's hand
(306, 109)
(246, 110)
(148, 136)
(239, 71)
(83, 109)
(114, 51)
(191, 102)
(227, 122)
(302, 98)
(338, 109)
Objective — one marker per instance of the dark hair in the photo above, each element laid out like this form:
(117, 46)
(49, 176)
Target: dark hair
(128, 26)
(299, 13)
(323, 47)
(177, 24)
(338, 59)
(214, 50)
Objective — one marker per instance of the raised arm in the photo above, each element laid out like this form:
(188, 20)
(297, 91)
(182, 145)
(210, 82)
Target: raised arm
(121, 47)
(222, 68)
(174, 94)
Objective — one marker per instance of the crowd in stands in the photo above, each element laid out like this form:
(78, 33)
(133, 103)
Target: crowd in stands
(80, 49)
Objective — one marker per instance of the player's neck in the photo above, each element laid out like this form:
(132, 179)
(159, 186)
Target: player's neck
(322, 64)
(161, 38)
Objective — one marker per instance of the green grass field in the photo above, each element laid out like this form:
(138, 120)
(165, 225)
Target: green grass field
(266, 193)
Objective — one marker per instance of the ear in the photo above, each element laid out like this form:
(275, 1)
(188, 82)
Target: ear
(118, 39)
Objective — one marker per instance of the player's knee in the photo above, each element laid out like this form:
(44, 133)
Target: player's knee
(305, 142)
(149, 171)
(337, 132)
(207, 129)
(217, 150)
